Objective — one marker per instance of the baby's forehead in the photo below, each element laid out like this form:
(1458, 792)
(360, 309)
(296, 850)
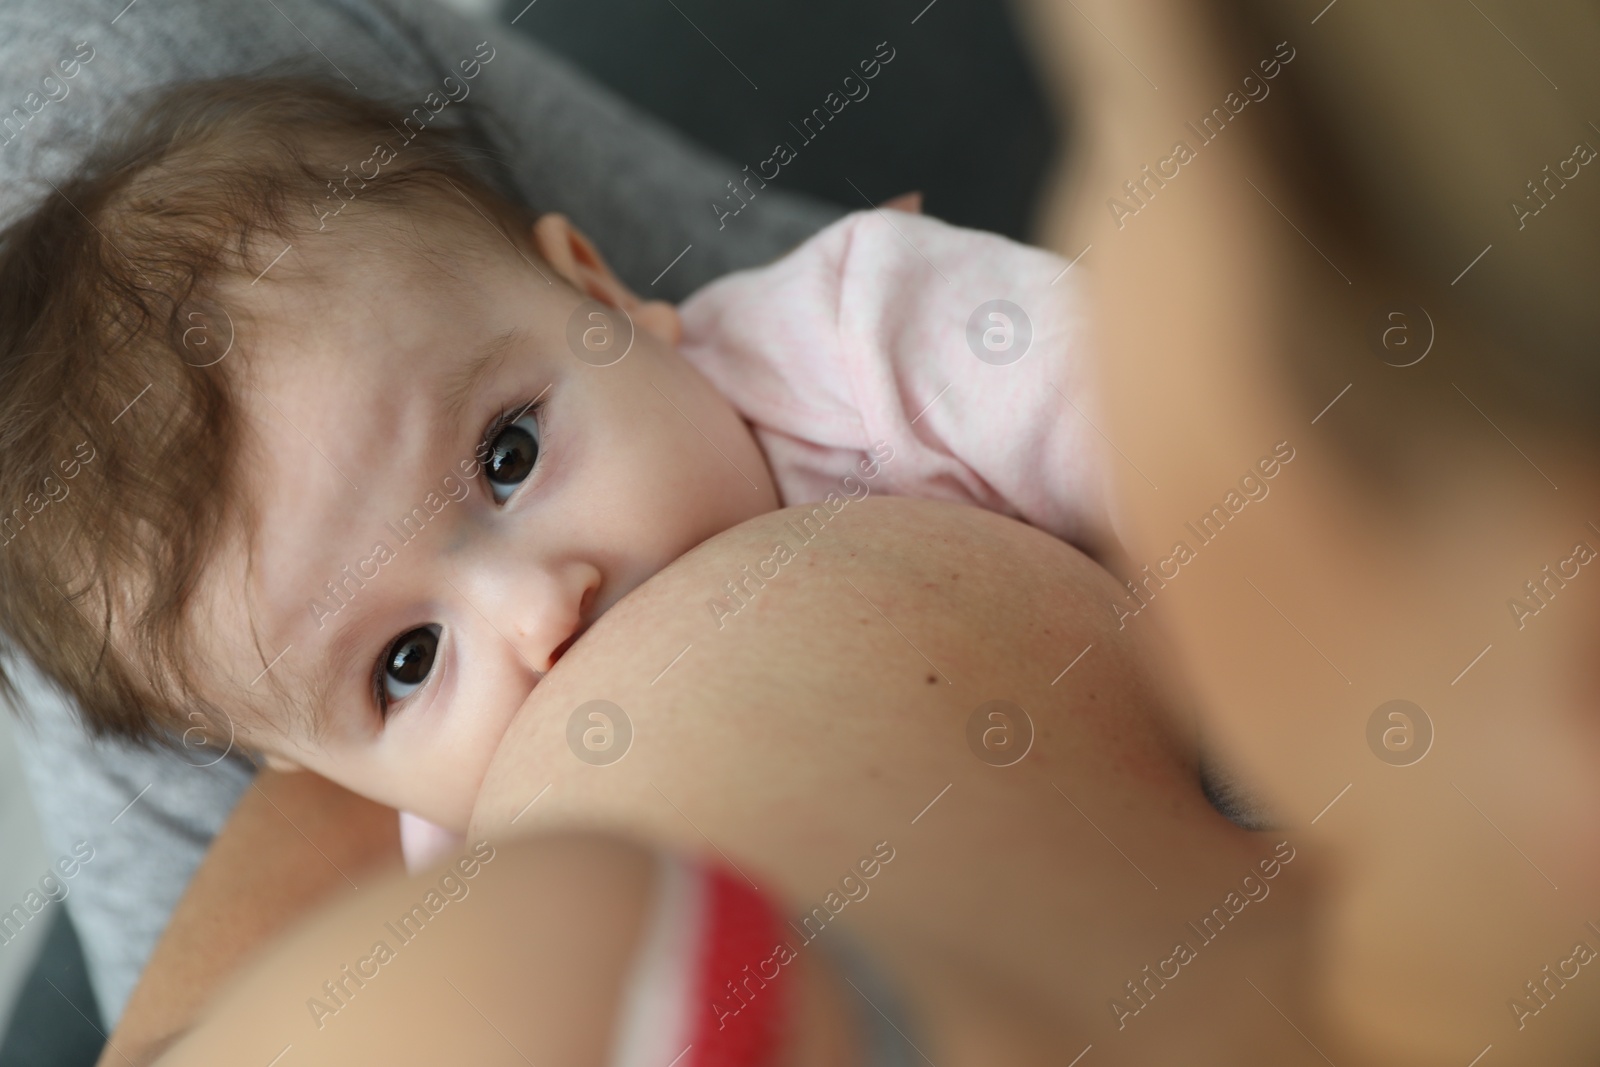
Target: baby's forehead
(381, 259)
(343, 328)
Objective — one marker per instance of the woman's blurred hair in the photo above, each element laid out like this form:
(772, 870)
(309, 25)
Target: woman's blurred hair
(1425, 136)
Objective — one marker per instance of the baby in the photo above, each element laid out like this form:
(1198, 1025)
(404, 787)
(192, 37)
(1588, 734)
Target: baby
(370, 446)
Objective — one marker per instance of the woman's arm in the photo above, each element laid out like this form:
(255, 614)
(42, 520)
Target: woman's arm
(294, 842)
(525, 961)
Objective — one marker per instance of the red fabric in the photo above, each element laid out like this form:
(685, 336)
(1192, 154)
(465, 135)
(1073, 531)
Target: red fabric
(743, 986)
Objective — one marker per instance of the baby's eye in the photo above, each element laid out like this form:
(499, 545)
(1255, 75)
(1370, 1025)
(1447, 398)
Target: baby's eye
(406, 664)
(513, 452)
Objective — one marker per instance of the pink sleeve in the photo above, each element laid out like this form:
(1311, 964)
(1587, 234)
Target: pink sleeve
(970, 357)
(882, 328)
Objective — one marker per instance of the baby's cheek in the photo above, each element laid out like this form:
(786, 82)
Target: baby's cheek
(475, 762)
(702, 500)
(691, 469)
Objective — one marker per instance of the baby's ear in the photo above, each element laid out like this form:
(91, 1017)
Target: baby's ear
(911, 203)
(576, 259)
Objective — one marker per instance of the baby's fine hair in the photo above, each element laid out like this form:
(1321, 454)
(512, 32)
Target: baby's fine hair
(121, 370)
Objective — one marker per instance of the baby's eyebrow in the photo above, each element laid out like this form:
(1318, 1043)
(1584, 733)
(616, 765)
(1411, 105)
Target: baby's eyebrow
(459, 386)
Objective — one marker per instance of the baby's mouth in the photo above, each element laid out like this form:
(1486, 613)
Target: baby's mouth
(561, 649)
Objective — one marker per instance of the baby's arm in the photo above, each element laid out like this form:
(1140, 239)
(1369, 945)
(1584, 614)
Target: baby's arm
(895, 353)
(988, 374)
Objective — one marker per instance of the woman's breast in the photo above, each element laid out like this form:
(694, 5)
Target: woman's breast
(919, 678)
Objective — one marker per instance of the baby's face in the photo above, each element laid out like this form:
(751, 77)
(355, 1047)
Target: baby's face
(446, 496)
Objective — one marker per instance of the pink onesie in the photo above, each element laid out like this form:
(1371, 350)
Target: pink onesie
(895, 353)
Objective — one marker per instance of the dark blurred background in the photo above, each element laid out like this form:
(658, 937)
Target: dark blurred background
(956, 114)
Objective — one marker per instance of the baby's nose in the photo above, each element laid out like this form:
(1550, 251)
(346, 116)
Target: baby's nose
(547, 616)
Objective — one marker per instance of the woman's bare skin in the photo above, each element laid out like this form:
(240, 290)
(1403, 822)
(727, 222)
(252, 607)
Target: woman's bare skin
(832, 710)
